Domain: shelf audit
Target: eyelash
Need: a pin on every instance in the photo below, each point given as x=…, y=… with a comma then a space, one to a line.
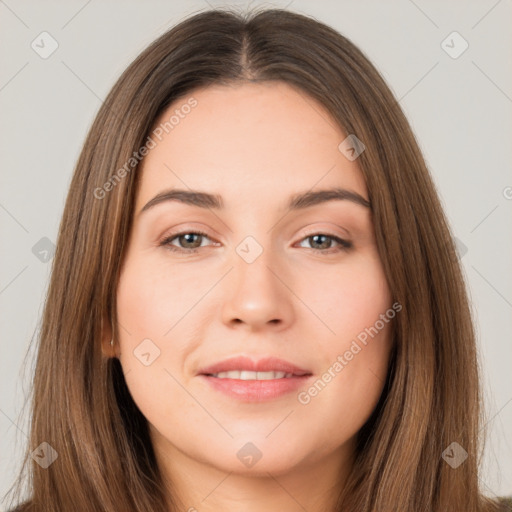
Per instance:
x=344, y=244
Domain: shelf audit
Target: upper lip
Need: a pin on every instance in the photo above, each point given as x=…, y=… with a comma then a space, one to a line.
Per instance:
x=267, y=364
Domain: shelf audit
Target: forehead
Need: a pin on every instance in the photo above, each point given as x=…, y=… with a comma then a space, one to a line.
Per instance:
x=247, y=141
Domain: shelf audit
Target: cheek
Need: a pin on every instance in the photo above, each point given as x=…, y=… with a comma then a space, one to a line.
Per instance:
x=357, y=308
x=350, y=299
x=135, y=298
x=147, y=298
x=157, y=303
x=147, y=308
x=143, y=316
x=346, y=396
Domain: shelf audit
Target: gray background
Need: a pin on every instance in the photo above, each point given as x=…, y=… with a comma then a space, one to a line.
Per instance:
x=460, y=109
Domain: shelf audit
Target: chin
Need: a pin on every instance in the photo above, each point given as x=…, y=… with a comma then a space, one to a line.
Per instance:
x=257, y=457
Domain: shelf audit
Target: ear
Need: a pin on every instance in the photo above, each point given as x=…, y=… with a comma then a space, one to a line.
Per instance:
x=106, y=335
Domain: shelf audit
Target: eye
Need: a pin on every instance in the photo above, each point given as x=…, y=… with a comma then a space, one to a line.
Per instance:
x=191, y=241
x=188, y=238
x=324, y=241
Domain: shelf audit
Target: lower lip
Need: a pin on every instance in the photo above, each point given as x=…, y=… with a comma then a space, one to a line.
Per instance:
x=257, y=390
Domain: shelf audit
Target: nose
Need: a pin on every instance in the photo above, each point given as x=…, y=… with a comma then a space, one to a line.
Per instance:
x=258, y=295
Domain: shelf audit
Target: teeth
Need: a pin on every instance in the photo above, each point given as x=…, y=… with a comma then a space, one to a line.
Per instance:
x=246, y=375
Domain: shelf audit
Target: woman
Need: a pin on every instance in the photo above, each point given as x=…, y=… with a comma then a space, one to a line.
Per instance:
x=312, y=349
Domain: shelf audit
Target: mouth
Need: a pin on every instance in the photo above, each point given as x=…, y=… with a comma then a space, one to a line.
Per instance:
x=248, y=375
x=255, y=380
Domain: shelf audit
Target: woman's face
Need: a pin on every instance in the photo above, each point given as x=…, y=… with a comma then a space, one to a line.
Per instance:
x=302, y=284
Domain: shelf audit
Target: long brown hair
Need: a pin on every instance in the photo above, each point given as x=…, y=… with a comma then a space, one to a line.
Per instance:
x=81, y=405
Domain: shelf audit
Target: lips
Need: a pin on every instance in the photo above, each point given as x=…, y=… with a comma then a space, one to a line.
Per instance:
x=261, y=366
x=249, y=380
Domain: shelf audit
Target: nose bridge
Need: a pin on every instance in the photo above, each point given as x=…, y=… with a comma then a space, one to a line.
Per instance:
x=255, y=292
x=255, y=265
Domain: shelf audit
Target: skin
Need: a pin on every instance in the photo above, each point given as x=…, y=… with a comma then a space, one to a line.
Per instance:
x=255, y=145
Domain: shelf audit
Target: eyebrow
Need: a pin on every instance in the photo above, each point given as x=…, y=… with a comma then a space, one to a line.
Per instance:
x=296, y=202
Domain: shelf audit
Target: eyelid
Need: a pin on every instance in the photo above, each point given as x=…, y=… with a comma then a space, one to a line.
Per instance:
x=203, y=232
x=343, y=243
x=189, y=228
x=326, y=231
